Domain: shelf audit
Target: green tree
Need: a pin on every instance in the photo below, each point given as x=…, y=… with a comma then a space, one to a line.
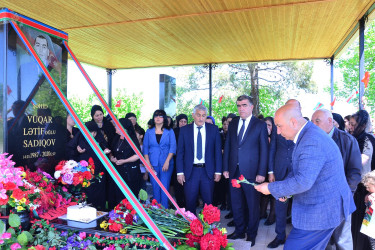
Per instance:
x=349, y=66
x=129, y=103
x=267, y=83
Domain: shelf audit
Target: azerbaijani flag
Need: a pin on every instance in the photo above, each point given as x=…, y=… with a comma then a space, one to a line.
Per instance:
x=318, y=106
x=352, y=96
x=333, y=102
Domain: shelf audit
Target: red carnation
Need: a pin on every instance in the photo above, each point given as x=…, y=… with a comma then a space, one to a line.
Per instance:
x=211, y=214
x=10, y=186
x=241, y=178
x=192, y=239
x=76, y=180
x=196, y=227
x=129, y=206
x=115, y=227
x=91, y=163
x=223, y=237
x=4, y=201
x=87, y=175
x=43, y=184
x=133, y=212
x=18, y=194
x=154, y=202
x=129, y=219
x=37, y=178
x=40, y=247
x=210, y=242
x=235, y=183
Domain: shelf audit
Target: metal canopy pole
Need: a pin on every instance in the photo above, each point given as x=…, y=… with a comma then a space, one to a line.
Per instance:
x=110, y=72
x=361, y=59
x=5, y=84
x=210, y=87
x=332, y=80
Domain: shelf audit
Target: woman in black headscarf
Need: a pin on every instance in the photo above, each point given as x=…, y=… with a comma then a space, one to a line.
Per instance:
x=181, y=120
x=338, y=121
x=96, y=193
x=105, y=126
x=126, y=162
x=366, y=142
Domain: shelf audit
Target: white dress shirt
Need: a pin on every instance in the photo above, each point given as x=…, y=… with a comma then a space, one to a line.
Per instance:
x=203, y=133
x=297, y=135
x=247, y=121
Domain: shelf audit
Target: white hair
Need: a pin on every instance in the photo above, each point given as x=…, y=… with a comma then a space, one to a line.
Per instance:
x=199, y=107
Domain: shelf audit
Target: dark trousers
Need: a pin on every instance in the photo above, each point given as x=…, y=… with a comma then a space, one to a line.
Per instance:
x=198, y=182
x=308, y=239
x=221, y=192
x=132, y=177
x=281, y=210
x=245, y=195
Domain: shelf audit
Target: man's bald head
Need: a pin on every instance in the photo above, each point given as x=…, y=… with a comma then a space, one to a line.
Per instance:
x=323, y=119
x=293, y=102
x=289, y=120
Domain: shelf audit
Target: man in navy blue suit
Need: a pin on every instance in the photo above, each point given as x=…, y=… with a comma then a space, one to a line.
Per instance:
x=246, y=153
x=321, y=196
x=199, y=159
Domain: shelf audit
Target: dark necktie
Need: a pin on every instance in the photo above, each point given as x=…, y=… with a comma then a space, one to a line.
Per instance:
x=199, y=144
x=242, y=130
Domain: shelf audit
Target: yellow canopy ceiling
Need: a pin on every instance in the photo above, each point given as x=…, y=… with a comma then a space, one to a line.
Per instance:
x=146, y=33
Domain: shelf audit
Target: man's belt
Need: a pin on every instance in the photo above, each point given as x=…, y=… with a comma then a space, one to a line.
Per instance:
x=199, y=165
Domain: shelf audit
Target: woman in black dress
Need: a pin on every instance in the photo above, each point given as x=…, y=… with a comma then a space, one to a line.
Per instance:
x=96, y=193
x=358, y=123
x=126, y=162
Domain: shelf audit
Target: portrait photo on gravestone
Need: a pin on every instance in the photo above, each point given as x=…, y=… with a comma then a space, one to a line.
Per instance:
x=36, y=118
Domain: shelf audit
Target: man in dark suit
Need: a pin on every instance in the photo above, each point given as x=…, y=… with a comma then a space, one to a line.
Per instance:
x=279, y=165
x=321, y=195
x=199, y=159
x=246, y=153
x=351, y=155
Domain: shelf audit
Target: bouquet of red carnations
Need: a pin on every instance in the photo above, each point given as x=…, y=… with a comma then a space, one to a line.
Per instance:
x=205, y=234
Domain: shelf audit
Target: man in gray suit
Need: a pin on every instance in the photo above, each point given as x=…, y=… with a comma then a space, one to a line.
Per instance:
x=321, y=195
x=351, y=155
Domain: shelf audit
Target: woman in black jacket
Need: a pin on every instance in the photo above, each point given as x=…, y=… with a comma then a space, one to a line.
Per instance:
x=104, y=126
x=126, y=162
x=366, y=142
x=96, y=193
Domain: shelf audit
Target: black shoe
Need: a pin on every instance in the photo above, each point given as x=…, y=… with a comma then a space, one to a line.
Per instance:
x=231, y=224
x=235, y=236
x=223, y=207
x=251, y=239
x=229, y=216
x=269, y=222
x=275, y=243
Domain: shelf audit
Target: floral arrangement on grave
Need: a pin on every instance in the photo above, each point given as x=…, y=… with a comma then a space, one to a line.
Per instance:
x=10, y=183
x=204, y=233
x=76, y=175
x=124, y=219
x=42, y=192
